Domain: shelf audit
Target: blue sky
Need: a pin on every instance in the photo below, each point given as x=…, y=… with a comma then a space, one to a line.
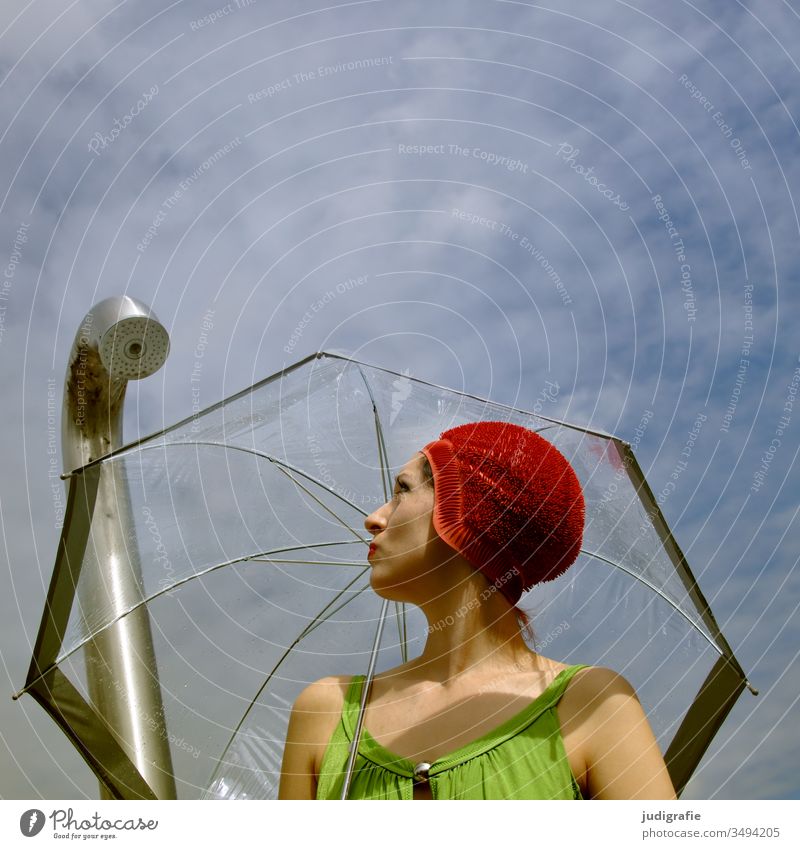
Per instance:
x=488, y=171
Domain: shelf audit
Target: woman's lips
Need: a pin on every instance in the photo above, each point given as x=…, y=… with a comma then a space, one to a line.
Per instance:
x=371, y=549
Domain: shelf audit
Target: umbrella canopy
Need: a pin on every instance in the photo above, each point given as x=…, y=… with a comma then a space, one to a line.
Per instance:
x=245, y=533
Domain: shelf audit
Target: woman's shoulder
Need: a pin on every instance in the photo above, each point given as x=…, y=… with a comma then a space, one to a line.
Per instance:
x=313, y=719
x=324, y=695
x=599, y=683
x=315, y=715
x=598, y=698
x=607, y=730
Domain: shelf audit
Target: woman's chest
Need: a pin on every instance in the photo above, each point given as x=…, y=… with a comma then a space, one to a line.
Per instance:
x=424, y=732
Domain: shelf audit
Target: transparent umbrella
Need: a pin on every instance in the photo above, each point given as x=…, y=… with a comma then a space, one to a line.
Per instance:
x=248, y=543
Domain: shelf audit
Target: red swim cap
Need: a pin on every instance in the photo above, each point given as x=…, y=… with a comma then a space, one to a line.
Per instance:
x=508, y=501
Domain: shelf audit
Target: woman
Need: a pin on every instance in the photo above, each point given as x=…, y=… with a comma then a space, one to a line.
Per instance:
x=476, y=518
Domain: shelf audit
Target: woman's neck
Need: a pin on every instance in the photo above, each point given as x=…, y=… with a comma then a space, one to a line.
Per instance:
x=469, y=631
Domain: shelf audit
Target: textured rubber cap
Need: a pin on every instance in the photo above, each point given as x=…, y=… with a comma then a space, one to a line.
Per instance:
x=509, y=501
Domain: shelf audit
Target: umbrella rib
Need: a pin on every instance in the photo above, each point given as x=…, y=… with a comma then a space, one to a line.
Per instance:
x=305, y=562
x=124, y=449
x=658, y=592
x=383, y=456
x=404, y=635
x=323, y=505
x=229, y=446
x=318, y=620
x=282, y=466
x=365, y=692
x=180, y=583
x=483, y=400
x=367, y=687
x=399, y=630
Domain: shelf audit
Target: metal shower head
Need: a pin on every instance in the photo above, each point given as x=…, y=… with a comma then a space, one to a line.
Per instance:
x=131, y=341
x=134, y=348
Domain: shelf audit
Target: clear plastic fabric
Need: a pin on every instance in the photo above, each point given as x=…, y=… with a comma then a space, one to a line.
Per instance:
x=244, y=530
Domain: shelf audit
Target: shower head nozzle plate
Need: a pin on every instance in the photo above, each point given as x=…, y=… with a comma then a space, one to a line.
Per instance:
x=134, y=348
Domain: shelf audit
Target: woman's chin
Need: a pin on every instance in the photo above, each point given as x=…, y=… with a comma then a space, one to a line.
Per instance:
x=387, y=589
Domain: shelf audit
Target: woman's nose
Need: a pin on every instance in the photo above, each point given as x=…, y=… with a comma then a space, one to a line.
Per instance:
x=376, y=521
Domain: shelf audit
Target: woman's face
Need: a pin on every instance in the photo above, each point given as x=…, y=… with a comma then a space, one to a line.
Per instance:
x=406, y=548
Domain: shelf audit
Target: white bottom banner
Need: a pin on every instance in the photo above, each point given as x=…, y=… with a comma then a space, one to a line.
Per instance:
x=393, y=824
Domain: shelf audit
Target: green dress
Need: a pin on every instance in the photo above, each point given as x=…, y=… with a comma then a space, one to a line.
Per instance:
x=523, y=758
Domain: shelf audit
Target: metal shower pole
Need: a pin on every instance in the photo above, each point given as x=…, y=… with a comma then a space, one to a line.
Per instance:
x=119, y=340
